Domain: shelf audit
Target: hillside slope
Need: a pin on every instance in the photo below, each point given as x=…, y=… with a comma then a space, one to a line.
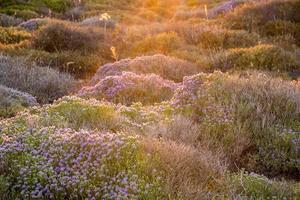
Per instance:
x=149, y=99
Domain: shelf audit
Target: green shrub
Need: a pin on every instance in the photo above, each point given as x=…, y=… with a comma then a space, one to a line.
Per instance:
x=281, y=28
x=160, y=43
x=263, y=57
x=239, y=39
x=30, y=9
x=13, y=35
x=26, y=14
x=256, y=186
x=60, y=36
x=78, y=114
x=57, y=5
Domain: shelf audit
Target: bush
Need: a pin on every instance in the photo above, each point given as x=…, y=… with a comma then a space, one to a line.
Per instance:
x=201, y=171
x=252, y=16
x=263, y=57
x=167, y=67
x=13, y=35
x=78, y=114
x=44, y=83
x=281, y=28
x=7, y=21
x=59, y=36
x=57, y=5
x=256, y=186
x=160, y=43
x=209, y=36
x=34, y=24
x=128, y=88
x=13, y=101
x=266, y=111
x=73, y=62
x=63, y=163
x=26, y=14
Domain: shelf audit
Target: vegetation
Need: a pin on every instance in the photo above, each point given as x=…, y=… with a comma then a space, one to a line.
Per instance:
x=44, y=83
x=149, y=99
x=263, y=57
x=13, y=101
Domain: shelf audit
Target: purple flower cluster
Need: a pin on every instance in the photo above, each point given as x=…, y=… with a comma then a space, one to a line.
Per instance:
x=188, y=90
x=64, y=164
x=130, y=87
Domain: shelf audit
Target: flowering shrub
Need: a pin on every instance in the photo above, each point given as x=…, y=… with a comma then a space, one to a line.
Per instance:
x=266, y=109
x=129, y=87
x=167, y=67
x=62, y=163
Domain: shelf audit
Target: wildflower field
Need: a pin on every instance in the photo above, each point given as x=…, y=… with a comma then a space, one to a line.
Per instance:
x=149, y=99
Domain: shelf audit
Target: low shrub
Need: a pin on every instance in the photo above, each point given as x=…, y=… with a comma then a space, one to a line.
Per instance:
x=281, y=28
x=57, y=5
x=34, y=24
x=72, y=62
x=256, y=186
x=262, y=57
x=83, y=114
x=160, y=43
x=167, y=67
x=42, y=82
x=128, y=88
x=63, y=163
x=61, y=36
x=239, y=38
x=13, y=101
x=201, y=171
x=26, y=14
x=7, y=21
x=266, y=111
x=209, y=36
x=253, y=15
x=13, y=35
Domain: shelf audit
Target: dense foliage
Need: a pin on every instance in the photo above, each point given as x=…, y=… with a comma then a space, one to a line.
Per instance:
x=123, y=99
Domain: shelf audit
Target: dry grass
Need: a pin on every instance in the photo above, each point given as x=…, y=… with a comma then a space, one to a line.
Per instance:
x=189, y=173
